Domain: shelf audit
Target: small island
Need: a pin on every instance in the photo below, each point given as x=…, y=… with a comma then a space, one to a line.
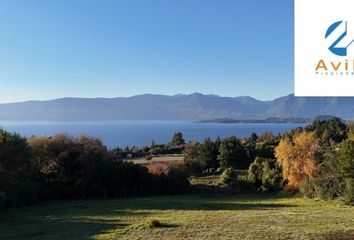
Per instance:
x=271, y=120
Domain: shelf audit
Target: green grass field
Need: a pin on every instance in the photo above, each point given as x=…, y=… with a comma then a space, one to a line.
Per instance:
x=182, y=217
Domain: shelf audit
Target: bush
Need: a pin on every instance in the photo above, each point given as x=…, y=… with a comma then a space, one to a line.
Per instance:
x=229, y=177
x=319, y=188
x=349, y=191
x=236, y=180
x=154, y=223
x=307, y=189
x=177, y=179
x=243, y=185
x=266, y=175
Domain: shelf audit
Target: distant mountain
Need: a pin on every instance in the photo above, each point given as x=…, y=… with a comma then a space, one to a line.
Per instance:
x=178, y=107
x=290, y=106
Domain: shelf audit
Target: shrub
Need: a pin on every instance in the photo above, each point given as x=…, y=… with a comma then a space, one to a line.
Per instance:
x=154, y=223
x=229, y=177
x=349, y=191
x=320, y=188
x=243, y=184
x=266, y=175
x=177, y=179
x=236, y=180
x=307, y=189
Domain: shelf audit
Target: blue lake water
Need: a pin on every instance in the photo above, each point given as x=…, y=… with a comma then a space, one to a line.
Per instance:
x=141, y=133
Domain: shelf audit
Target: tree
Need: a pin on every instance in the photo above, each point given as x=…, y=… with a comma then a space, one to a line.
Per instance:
x=152, y=145
x=297, y=157
x=233, y=154
x=327, y=183
x=268, y=137
x=117, y=153
x=265, y=150
x=191, y=160
x=217, y=142
x=177, y=139
x=70, y=167
x=346, y=168
x=15, y=169
x=253, y=138
x=346, y=159
x=207, y=153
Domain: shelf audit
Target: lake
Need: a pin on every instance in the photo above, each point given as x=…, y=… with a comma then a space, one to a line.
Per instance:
x=141, y=133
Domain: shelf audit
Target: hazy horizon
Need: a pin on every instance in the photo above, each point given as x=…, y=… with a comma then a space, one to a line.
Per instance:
x=142, y=94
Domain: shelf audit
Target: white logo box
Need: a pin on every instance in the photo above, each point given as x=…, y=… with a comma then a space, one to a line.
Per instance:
x=335, y=77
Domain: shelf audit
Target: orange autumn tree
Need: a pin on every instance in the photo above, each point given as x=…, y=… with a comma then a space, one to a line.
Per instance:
x=297, y=157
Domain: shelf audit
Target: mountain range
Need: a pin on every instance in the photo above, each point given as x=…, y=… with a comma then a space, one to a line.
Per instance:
x=194, y=106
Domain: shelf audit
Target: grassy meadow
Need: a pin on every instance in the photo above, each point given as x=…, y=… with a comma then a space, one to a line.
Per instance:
x=160, y=163
x=174, y=158
x=182, y=217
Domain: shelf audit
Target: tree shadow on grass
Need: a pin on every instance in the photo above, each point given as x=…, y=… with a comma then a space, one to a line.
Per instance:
x=63, y=229
x=61, y=226
x=204, y=204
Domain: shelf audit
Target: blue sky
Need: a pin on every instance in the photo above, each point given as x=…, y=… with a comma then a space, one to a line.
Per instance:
x=103, y=48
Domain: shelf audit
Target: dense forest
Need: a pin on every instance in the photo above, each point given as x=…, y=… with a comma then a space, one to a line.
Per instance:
x=65, y=167
x=317, y=161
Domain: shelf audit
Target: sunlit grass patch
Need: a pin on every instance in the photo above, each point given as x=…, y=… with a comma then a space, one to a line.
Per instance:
x=181, y=217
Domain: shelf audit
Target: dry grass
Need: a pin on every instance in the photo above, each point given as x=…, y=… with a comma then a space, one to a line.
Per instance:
x=160, y=164
x=163, y=158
